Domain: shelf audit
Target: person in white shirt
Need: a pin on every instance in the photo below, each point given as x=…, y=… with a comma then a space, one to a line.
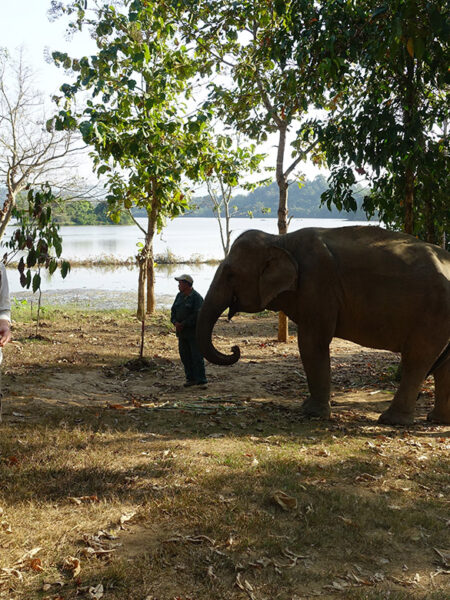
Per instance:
x=5, y=318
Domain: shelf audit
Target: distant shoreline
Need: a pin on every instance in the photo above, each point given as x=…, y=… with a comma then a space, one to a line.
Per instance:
x=111, y=261
x=90, y=299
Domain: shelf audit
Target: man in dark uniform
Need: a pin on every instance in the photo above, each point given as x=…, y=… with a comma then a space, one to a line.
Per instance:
x=184, y=316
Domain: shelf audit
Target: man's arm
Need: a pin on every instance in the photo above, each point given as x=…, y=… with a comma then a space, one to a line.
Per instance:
x=191, y=320
x=172, y=310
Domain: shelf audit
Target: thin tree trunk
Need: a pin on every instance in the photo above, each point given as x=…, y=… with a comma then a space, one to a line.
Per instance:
x=151, y=228
x=140, y=314
x=38, y=317
x=430, y=226
x=227, y=221
x=282, y=183
x=5, y=213
x=409, y=117
x=282, y=216
x=409, y=202
x=151, y=302
x=141, y=347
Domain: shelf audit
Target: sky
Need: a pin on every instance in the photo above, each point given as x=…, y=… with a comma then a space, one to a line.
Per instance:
x=25, y=23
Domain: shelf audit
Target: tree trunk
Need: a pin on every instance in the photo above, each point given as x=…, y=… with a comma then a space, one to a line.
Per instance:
x=151, y=303
x=5, y=213
x=430, y=226
x=140, y=314
x=282, y=216
x=152, y=215
x=409, y=202
x=409, y=121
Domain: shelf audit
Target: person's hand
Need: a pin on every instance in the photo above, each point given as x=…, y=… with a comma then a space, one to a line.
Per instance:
x=179, y=327
x=5, y=332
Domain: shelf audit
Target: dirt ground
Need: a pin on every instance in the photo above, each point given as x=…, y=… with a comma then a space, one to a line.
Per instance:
x=83, y=362
x=79, y=367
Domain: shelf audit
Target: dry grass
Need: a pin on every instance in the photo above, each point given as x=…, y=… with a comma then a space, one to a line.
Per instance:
x=167, y=496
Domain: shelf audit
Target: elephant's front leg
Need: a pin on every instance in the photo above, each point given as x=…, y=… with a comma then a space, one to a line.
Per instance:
x=315, y=354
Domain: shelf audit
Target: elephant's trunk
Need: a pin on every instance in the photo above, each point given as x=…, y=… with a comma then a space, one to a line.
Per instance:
x=207, y=318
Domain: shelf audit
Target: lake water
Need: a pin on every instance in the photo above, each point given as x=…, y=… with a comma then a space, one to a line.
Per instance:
x=185, y=237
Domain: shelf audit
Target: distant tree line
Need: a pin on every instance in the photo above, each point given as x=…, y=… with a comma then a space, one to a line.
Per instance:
x=304, y=203
x=76, y=212
x=85, y=212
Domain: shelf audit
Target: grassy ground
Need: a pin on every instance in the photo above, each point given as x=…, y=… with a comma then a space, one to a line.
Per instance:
x=120, y=484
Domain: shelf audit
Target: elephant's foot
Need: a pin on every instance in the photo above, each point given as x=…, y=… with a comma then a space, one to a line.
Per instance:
x=310, y=408
x=396, y=417
x=439, y=416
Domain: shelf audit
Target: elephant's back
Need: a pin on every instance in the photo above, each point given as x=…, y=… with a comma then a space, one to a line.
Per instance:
x=382, y=244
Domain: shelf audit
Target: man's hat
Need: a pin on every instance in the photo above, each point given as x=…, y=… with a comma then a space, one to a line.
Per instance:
x=187, y=278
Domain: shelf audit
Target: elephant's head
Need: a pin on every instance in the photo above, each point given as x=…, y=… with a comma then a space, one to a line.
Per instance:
x=255, y=272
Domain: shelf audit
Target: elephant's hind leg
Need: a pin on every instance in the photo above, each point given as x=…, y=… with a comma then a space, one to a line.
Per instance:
x=401, y=411
x=441, y=410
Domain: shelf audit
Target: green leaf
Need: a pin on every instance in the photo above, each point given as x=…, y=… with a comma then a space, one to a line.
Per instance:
x=31, y=258
x=53, y=265
x=36, y=282
x=65, y=268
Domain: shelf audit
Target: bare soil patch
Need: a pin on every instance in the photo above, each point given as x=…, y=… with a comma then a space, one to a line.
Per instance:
x=116, y=482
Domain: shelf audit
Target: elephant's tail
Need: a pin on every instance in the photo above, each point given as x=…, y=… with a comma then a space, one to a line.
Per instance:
x=442, y=358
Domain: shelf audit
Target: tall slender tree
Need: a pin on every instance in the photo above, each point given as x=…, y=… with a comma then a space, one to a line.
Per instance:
x=135, y=117
x=230, y=163
x=255, y=89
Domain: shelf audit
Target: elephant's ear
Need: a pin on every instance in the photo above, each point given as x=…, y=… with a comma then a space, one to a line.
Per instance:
x=279, y=274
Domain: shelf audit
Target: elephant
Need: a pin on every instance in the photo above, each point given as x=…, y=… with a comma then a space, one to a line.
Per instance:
x=377, y=288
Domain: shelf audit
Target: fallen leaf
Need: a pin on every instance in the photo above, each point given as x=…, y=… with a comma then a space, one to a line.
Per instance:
x=365, y=477
x=95, y=593
x=346, y=520
x=210, y=572
x=286, y=502
x=245, y=586
x=323, y=452
x=337, y=586
x=73, y=564
x=74, y=500
x=444, y=555
x=6, y=527
x=14, y=572
x=36, y=565
x=126, y=518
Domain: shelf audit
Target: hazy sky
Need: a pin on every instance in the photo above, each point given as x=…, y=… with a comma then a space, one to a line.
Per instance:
x=25, y=23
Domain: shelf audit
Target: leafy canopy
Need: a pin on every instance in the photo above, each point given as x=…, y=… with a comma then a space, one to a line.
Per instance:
x=135, y=116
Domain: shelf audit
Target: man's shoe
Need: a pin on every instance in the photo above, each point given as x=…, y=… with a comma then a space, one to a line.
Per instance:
x=203, y=385
x=189, y=384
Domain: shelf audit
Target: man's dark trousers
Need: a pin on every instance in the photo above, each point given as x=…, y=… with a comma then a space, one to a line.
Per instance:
x=194, y=365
